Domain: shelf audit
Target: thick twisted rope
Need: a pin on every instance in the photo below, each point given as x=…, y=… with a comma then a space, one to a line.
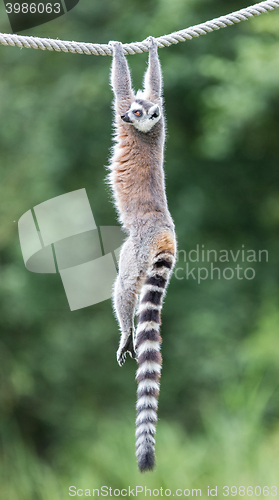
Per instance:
x=138, y=47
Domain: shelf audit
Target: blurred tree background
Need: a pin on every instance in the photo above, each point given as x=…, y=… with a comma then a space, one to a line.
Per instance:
x=67, y=409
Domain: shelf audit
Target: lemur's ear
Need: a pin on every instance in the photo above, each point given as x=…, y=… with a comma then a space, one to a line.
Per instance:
x=154, y=112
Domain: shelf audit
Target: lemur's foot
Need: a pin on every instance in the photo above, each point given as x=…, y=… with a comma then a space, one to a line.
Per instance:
x=127, y=348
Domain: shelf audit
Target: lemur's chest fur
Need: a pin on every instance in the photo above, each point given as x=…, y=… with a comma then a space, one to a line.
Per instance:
x=137, y=175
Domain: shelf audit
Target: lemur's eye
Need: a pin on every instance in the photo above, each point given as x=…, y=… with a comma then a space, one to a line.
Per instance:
x=137, y=112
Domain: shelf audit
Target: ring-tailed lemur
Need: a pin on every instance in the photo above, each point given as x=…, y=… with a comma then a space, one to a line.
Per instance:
x=148, y=255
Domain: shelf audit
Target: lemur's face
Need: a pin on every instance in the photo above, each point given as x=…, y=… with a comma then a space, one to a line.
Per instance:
x=143, y=115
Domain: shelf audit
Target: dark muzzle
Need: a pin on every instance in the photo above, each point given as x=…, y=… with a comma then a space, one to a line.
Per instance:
x=125, y=118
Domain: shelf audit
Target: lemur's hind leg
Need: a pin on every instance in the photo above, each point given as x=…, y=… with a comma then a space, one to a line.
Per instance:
x=125, y=299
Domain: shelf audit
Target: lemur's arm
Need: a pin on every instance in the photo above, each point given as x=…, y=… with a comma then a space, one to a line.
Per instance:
x=153, y=77
x=120, y=78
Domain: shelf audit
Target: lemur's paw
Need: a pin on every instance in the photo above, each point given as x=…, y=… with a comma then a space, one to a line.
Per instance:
x=121, y=356
x=115, y=45
x=128, y=347
x=114, y=42
x=152, y=43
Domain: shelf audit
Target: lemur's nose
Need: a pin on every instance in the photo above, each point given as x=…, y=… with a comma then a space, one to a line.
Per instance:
x=125, y=118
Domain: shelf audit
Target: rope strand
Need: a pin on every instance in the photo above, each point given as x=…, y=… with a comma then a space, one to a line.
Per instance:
x=99, y=49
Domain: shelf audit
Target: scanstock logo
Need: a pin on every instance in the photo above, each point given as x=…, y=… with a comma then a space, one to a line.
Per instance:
x=60, y=236
x=28, y=14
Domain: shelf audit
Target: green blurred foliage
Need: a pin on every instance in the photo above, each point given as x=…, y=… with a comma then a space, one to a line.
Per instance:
x=67, y=409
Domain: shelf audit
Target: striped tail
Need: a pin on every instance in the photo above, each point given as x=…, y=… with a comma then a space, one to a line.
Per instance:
x=147, y=344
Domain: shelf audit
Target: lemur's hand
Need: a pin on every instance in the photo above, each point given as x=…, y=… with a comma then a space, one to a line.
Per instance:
x=115, y=46
x=113, y=43
x=152, y=43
